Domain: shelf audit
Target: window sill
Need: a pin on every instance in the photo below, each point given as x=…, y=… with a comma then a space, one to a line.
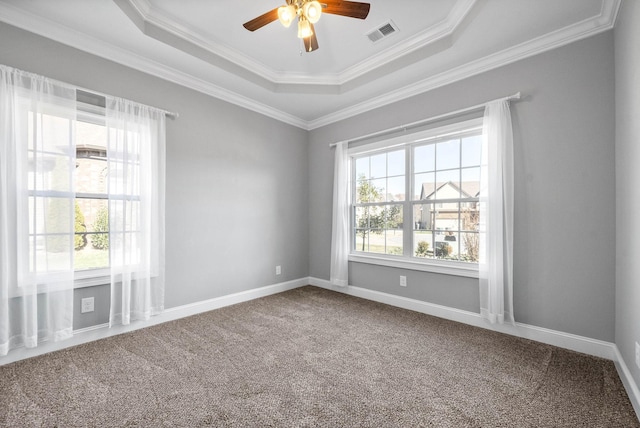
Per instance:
x=443, y=267
x=91, y=278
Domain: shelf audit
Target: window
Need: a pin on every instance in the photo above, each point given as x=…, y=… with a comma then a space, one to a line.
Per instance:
x=64, y=159
x=415, y=200
x=72, y=142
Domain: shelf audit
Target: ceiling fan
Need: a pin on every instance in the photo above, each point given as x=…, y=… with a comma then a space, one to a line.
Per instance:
x=308, y=13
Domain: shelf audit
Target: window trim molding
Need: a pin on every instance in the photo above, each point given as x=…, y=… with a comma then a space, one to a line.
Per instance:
x=439, y=266
x=91, y=277
x=446, y=267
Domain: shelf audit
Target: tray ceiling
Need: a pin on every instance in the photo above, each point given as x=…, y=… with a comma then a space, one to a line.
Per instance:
x=202, y=45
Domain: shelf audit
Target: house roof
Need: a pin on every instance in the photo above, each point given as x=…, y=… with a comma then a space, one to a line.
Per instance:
x=468, y=189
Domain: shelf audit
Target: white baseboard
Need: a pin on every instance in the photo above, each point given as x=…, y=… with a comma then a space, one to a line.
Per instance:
x=629, y=383
x=569, y=341
x=102, y=331
x=582, y=344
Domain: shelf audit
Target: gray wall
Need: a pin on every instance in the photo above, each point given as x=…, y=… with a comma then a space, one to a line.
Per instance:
x=237, y=181
x=565, y=189
x=627, y=57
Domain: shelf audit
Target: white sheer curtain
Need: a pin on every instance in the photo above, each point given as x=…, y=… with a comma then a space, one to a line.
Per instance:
x=340, y=227
x=136, y=163
x=37, y=159
x=496, y=215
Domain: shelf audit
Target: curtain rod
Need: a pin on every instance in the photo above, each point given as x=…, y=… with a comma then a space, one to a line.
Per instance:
x=170, y=114
x=515, y=96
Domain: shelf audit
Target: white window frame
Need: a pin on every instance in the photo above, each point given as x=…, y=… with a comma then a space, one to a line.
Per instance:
x=448, y=267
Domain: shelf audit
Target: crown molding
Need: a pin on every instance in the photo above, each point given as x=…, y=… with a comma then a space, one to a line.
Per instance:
x=65, y=35
x=165, y=29
x=602, y=22
x=442, y=29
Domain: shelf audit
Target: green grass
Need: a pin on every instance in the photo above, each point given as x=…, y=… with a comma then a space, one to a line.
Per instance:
x=90, y=258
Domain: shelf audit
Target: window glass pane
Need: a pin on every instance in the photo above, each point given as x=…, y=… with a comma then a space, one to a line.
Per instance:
x=424, y=186
x=50, y=172
x=423, y=244
x=55, y=215
x=361, y=240
x=448, y=184
x=395, y=163
x=395, y=189
x=91, y=155
x=369, y=223
x=446, y=217
x=92, y=258
x=423, y=216
x=373, y=239
x=91, y=136
x=394, y=242
x=365, y=192
x=91, y=175
x=362, y=217
x=54, y=133
x=452, y=241
x=446, y=250
x=124, y=215
x=91, y=240
x=378, y=190
x=471, y=150
x=469, y=247
x=50, y=253
x=424, y=158
x=362, y=168
x=392, y=216
x=470, y=185
x=379, y=165
x=469, y=216
x=448, y=154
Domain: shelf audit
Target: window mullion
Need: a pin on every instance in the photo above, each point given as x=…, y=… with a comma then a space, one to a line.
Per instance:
x=407, y=224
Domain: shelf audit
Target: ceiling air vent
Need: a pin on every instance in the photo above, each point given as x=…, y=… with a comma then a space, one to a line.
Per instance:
x=384, y=30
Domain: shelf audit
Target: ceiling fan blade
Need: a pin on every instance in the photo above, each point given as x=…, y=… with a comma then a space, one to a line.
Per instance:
x=311, y=43
x=262, y=20
x=346, y=8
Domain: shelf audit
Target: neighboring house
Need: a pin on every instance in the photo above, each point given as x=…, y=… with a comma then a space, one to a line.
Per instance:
x=452, y=223
x=444, y=215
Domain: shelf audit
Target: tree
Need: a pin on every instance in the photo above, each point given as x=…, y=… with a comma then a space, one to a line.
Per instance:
x=100, y=241
x=373, y=219
x=80, y=237
x=471, y=241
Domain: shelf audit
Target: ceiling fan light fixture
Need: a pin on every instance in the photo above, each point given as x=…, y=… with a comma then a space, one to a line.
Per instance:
x=312, y=11
x=304, y=29
x=286, y=15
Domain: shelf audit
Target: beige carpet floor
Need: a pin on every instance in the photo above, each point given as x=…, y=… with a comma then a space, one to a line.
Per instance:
x=311, y=357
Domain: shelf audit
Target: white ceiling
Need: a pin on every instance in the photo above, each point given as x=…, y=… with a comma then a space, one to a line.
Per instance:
x=202, y=44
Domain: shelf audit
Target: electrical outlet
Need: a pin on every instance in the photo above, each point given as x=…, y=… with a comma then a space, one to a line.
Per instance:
x=403, y=281
x=638, y=354
x=278, y=270
x=86, y=305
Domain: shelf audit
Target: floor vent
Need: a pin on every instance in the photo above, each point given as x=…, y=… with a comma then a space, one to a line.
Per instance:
x=384, y=30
